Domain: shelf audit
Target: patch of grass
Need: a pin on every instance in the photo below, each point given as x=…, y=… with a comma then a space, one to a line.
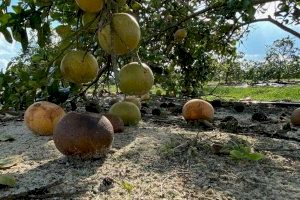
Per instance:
x=266, y=93
x=258, y=93
x=245, y=153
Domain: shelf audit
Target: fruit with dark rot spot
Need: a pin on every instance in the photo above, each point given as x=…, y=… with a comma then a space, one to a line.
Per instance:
x=83, y=135
x=116, y=122
x=295, y=117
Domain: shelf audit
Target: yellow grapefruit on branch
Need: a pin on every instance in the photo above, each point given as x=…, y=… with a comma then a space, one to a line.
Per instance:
x=121, y=35
x=91, y=20
x=79, y=67
x=91, y=6
x=135, y=79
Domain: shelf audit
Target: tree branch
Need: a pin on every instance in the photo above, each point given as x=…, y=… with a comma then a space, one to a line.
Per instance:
x=280, y=25
x=207, y=9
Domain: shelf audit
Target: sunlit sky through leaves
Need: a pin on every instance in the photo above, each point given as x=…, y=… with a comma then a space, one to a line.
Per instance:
x=253, y=45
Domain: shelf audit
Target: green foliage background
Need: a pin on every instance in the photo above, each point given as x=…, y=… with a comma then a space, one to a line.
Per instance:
x=182, y=67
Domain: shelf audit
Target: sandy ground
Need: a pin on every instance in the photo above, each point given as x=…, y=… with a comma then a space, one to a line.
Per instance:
x=156, y=164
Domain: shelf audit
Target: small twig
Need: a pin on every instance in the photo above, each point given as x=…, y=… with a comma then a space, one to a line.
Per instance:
x=56, y=195
x=81, y=93
x=213, y=90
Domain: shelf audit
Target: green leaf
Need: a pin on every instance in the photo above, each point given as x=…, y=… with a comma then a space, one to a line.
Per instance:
x=16, y=35
x=7, y=180
x=6, y=138
x=236, y=155
x=36, y=58
x=255, y=156
x=6, y=3
x=136, y=6
x=43, y=34
x=36, y=20
x=6, y=163
x=245, y=153
x=127, y=186
x=7, y=35
x=4, y=19
x=17, y=9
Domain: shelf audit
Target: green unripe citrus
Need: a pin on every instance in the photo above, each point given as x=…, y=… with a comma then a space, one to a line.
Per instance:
x=135, y=79
x=127, y=111
x=79, y=67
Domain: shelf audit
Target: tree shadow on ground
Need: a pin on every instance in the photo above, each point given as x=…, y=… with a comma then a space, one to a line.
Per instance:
x=59, y=178
x=45, y=173
x=200, y=168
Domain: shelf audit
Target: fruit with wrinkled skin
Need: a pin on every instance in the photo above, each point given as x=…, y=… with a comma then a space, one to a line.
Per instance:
x=116, y=122
x=79, y=67
x=180, y=34
x=41, y=117
x=83, y=135
x=295, y=117
x=92, y=6
x=198, y=109
x=134, y=100
x=135, y=79
x=127, y=111
x=91, y=20
x=121, y=36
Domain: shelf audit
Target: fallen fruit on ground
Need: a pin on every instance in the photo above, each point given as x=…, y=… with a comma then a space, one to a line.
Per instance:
x=145, y=97
x=91, y=20
x=135, y=79
x=116, y=122
x=134, y=100
x=198, y=109
x=121, y=35
x=127, y=111
x=83, y=135
x=42, y=117
x=180, y=34
x=92, y=6
x=295, y=117
x=79, y=67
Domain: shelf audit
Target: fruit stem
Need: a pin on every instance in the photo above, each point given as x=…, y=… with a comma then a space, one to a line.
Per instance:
x=137, y=57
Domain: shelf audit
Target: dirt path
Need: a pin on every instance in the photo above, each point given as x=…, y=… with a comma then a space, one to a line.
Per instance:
x=155, y=163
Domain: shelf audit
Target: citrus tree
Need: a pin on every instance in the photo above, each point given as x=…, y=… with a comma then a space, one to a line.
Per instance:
x=179, y=40
x=282, y=59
